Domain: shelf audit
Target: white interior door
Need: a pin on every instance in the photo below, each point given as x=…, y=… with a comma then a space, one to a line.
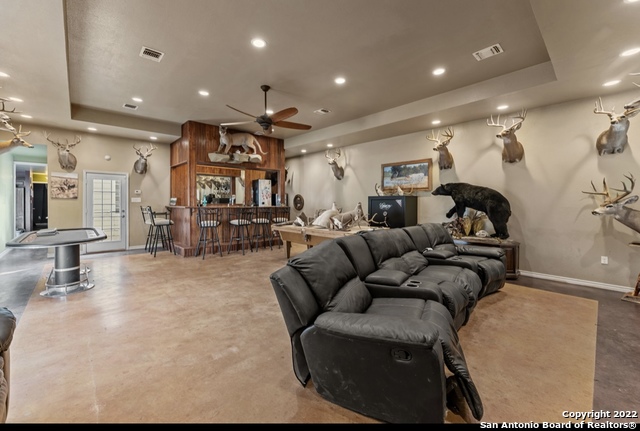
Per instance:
x=105, y=208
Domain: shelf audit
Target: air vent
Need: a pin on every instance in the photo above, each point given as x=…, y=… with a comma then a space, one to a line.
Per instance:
x=489, y=51
x=130, y=106
x=321, y=111
x=151, y=54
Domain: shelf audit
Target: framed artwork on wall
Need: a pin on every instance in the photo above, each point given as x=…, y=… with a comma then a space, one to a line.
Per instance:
x=412, y=175
x=63, y=185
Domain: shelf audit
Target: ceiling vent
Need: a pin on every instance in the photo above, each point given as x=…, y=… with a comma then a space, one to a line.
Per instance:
x=489, y=51
x=151, y=54
x=130, y=106
x=321, y=111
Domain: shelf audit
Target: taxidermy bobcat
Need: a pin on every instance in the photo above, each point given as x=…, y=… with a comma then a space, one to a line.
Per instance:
x=244, y=140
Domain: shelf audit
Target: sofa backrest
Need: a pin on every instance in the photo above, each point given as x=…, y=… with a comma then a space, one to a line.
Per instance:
x=357, y=250
x=394, y=249
x=439, y=236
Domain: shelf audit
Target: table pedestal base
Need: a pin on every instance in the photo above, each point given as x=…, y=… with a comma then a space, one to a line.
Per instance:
x=54, y=290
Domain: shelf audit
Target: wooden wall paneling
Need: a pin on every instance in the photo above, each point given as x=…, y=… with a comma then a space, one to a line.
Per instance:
x=180, y=184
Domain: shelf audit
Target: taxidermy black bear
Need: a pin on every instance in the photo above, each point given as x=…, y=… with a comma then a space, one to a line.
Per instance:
x=484, y=199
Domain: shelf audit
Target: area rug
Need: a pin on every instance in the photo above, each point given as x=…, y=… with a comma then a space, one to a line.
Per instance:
x=531, y=354
x=187, y=340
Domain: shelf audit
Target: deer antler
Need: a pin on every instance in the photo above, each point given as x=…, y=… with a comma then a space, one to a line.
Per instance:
x=3, y=109
x=449, y=135
x=497, y=123
x=337, y=153
x=599, y=109
x=76, y=141
x=607, y=194
x=434, y=137
x=57, y=144
x=516, y=124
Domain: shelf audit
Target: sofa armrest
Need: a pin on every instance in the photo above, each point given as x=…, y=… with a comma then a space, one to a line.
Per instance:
x=438, y=254
x=392, y=329
x=389, y=277
x=454, y=261
x=491, y=252
x=428, y=292
x=7, y=326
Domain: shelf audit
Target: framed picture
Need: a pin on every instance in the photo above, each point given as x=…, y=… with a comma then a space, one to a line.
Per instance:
x=413, y=175
x=63, y=185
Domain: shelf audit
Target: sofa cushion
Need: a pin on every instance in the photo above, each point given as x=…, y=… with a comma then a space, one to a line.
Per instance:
x=388, y=243
x=327, y=270
x=357, y=250
x=437, y=234
x=352, y=298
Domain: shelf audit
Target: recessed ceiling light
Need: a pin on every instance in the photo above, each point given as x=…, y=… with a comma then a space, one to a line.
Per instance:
x=26, y=116
x=258, y=43
x=629, y=52
x=93, y=129
x=303, y=151
x=4, y=75
x=435, y=122
x=610, y=83
x=329, y=145
x=203, y=92
x=15, y=99
x=502, y=107
x=153, y=138
x=438, y=71
x=136, y=99
x=630, y=1
x=340, y=80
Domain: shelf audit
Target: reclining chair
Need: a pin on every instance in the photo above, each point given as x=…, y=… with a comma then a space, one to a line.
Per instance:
x=437, y=245
x=381, y=356
x=7, y=327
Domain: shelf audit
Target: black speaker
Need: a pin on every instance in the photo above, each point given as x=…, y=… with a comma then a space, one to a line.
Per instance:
x=399, y=211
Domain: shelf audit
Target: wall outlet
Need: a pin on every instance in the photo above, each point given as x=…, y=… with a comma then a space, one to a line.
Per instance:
x=134, y=200
x=137, y=192
x=604, y=260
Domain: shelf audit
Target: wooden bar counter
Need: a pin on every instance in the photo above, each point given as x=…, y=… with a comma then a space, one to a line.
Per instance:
x=186, y=232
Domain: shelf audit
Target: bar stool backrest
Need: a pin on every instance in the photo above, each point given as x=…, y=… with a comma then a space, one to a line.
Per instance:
x=262, y=215
x=208, y=217
x=280, y=215
x=241, y=216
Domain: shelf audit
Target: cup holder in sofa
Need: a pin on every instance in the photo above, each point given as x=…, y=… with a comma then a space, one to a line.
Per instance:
x=412, y=283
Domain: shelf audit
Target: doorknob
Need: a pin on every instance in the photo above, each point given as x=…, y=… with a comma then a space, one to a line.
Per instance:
x=123, y=215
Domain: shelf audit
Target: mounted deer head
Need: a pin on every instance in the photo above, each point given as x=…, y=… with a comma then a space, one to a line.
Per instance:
x=5, y=125
x=616, y=205
x=513, y=151
x=67, y=160
x=445, y=159
x=333, y=156
x=16, y=141
x=140, y=166
x=615, y=139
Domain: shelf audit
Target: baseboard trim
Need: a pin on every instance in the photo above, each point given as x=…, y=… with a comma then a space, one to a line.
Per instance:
x=577, y=281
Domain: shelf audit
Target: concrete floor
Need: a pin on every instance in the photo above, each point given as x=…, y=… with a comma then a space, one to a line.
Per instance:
x=617, y=347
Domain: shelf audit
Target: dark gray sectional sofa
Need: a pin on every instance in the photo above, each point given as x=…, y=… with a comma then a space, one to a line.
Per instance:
x=373, y=320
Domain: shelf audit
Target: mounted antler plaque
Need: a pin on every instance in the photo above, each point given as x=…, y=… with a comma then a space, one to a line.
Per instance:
x=513, y=151
x=67, y=160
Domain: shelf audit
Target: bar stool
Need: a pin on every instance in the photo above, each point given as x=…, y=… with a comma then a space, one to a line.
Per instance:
x=162, y=231
x=208, y=221
x=240, y=220
x=146, y=218
x=280, y=215
x=261, y=223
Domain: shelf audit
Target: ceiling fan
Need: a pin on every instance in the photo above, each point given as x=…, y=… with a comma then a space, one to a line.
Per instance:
x=266, y=122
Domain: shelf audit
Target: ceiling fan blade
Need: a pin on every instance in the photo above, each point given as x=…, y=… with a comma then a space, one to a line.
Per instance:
x=242, y=112
x=237, y=123
x=284, y=114
x=292, y=125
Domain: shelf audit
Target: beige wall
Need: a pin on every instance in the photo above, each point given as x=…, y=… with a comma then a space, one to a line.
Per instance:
x=551, y=216
x=90, y=153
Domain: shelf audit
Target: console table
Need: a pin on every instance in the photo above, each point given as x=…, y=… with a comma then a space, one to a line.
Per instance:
x=511, y=248
x=66, y=276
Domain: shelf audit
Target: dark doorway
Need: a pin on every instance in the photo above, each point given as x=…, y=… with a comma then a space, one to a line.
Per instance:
x=40, y=208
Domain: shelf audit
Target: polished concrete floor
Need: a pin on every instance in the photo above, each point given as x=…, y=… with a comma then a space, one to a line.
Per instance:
x=617, y=345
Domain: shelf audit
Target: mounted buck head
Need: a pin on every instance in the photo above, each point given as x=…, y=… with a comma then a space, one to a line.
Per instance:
x=615, y=139
x=513, y=151
x=5, y=125
x=445, y=159
x=333, y=156
x=140, y=166
x=616, y=205
x=67, y=160
x=17, y=140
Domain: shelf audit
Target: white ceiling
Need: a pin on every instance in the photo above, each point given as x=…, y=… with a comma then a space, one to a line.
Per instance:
x=76, y=62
